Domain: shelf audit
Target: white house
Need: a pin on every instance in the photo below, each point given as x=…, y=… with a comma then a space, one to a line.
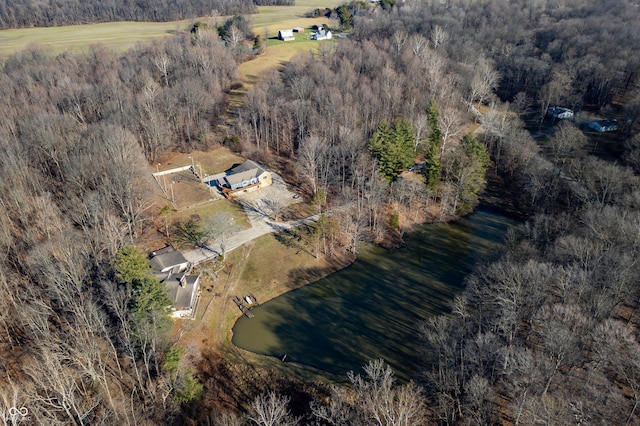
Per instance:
x=608, y=125
x=559, y=113
x=322, y=35
x=285, y=35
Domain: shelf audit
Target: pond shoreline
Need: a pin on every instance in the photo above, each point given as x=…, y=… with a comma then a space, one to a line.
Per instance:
x=372, y=308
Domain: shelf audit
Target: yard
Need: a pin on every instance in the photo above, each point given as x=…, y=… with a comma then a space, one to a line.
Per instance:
x=181, y=196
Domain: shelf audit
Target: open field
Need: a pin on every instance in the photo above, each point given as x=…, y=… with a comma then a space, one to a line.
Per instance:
x=124, y=35
x=78, y=38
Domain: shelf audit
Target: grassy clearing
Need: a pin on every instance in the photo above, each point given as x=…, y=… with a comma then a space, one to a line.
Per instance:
x=277, y=55
x=188, y=191
x=124, y=35
x=225, y=208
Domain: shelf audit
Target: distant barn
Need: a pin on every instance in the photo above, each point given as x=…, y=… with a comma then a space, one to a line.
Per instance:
x=285, y=35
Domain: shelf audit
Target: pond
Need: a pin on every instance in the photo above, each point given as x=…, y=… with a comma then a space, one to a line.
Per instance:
x=372, y=309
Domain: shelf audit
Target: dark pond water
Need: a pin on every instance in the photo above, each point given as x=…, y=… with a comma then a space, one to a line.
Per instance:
x=372, y=308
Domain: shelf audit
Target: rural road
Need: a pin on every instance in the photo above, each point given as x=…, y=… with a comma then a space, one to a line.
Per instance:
x=259, y=228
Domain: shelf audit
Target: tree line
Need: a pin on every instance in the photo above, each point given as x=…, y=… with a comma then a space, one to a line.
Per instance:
x=577, y=54
x=31, y=13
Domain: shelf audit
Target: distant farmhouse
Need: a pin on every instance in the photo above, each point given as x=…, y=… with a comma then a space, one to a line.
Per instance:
x=285, y=35
x=559, y=113
x=322, y=35
x=172, y=269
x=609, y=125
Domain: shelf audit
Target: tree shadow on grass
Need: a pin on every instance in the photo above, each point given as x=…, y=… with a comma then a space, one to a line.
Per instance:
x=291, y=238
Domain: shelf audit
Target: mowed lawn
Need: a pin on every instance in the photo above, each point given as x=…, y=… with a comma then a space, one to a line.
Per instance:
x=123, y=35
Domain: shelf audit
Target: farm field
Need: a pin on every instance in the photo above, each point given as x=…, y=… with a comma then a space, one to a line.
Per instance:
x=124, y=35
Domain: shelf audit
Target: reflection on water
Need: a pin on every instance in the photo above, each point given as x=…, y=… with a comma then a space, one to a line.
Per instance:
x=372, y=308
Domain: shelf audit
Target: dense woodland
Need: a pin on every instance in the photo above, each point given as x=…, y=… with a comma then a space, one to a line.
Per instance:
x=79, y=342
x=547, y=334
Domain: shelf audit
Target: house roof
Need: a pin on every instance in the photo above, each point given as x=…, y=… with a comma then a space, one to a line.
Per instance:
x=554, y=110
x=167, y=260
x=606, y=123
x=182, y=292
x=239, y=177
x=244, y=171
x=247, y=165
x=286, y=34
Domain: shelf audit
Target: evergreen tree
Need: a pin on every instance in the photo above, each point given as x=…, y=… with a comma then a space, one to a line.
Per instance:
x=478, y=158
x=392, y=146
x=130, y=265
x=345, y=17
x=149, y=295
x=433, y=164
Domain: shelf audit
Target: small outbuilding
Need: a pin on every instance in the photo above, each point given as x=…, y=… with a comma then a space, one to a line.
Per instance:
x=298, y=30
x=559, y=113
x=285, y=35
x=609, y=125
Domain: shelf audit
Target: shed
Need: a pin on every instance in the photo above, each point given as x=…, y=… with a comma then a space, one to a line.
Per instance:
x=608, y=125
x=285, y=35
x=298, y=30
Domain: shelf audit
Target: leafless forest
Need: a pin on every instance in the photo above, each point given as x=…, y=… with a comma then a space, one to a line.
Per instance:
x=547, y=334
x=28, y=13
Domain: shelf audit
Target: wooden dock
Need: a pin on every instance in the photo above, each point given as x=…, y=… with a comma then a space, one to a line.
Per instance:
x=246, y=311
x=251, y=299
